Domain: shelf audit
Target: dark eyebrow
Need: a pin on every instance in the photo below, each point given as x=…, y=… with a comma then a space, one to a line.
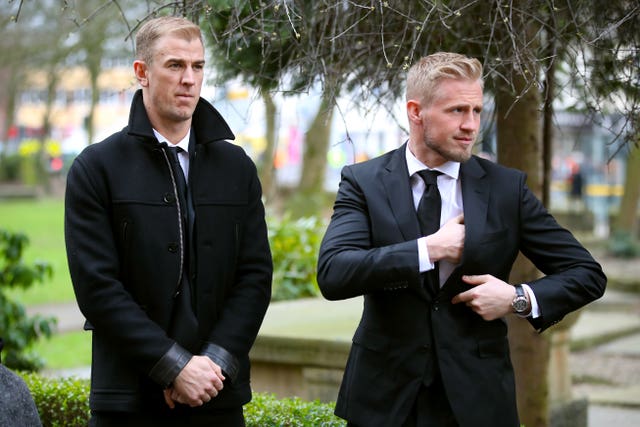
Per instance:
x=182, y=61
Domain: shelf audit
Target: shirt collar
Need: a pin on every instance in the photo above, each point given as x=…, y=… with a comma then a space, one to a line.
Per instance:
x=451, y=169
x=183, y=143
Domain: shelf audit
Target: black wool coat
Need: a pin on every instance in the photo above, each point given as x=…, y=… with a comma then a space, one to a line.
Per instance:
x=125, y=256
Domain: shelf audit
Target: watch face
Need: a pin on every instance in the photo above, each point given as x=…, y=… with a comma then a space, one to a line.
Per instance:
x=520, y=304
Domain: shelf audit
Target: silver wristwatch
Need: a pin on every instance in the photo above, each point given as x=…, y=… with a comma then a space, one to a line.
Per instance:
x=520, y=302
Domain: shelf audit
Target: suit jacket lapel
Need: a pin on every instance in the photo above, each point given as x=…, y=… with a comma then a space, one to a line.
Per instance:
x=475, y=196
x=395, y=178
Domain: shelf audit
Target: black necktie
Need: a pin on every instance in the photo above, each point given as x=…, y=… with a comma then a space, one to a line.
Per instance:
x=183, y=190
x=184, y=324
x=429, y=217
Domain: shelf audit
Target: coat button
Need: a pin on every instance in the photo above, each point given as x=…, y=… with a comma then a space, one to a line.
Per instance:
x=173, y=247
x=168, y=198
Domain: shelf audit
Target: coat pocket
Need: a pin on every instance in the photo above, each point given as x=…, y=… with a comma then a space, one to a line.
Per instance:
x=494, y=347
x=371, y=340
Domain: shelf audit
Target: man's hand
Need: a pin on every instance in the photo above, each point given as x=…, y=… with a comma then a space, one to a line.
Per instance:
x=198, y=382
x=448, y=242
x=490, y=297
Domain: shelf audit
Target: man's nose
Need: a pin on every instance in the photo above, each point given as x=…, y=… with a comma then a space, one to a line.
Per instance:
x=188, y=76
x=471, y=121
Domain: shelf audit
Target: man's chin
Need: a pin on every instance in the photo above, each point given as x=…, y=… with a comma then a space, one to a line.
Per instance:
x=459, y=157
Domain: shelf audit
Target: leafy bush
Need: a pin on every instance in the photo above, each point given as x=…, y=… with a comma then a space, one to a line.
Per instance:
x=623, y=245
x=17, y=329
x=65, y=402
x=266, y=410
x=61, y=402
x=294, y=246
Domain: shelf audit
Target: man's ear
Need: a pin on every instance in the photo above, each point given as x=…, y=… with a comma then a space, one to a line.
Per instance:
x=140, y=70
x=413, y=111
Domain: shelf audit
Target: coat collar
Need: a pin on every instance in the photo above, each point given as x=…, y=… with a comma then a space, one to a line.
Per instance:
x=207, y=125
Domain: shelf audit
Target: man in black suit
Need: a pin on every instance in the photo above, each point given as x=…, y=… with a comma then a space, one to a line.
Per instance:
x=431, y=348
x=168, y=250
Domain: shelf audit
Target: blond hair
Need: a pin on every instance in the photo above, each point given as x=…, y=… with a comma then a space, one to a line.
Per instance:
x=423, y=76
x=152, y=30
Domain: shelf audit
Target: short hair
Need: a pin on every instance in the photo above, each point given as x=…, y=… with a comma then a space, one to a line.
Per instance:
x=423, y=76
x=155, y=28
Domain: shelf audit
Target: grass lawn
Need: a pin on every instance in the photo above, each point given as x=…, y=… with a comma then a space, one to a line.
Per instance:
x=65, y=351
x=42, y=221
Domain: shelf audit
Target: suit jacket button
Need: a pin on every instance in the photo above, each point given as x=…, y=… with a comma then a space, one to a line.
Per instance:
x=173, y=247
x=168, y=198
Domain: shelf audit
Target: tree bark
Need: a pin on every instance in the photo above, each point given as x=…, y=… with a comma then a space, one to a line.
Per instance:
x=626, y=221
x=519, y=146
x=316, y=144
x=309, y=198
x=266, y=168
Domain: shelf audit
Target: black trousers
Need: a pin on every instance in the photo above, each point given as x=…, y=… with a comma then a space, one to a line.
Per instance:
x=233, y=417
x=431, y=408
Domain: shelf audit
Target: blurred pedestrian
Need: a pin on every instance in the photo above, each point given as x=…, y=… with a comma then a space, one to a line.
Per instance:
x=576, y=186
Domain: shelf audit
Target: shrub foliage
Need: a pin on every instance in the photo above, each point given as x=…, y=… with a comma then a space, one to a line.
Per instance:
x=64, y=402
x=294, y=247
x=18, y=330
x=61, y=402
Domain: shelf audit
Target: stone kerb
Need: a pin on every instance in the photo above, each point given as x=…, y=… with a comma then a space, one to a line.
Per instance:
x=303, y=347
x=307, y=368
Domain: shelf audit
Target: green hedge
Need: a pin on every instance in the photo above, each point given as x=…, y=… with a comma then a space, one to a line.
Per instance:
x=294, y=246
x=64, y=402
x=61, y=402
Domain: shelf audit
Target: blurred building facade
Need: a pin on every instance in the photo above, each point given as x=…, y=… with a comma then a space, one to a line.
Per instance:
x=579, y=144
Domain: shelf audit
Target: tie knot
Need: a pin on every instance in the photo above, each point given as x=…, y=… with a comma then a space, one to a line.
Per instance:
x=430, y=177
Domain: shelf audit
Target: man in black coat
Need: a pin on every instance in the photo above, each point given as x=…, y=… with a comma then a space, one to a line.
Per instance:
x=17, y=407
x=431, y=348
x=167, y=248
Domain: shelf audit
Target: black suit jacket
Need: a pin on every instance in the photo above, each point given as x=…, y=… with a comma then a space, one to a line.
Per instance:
x=370, y=249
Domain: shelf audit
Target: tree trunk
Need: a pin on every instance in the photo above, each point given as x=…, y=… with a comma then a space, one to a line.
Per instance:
x=266, y=168
x=316, y=144
x=8, y=99
x=309, y=198
x=547, y=124
x=519, y=139
x=95, y=98
x=625, y=226
x=43, y=158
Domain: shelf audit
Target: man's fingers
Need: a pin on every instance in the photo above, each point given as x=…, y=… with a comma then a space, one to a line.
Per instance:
x=217, y=382
x=476, y=279
x=167, y=398
x=462, y=297
x=459, y=219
